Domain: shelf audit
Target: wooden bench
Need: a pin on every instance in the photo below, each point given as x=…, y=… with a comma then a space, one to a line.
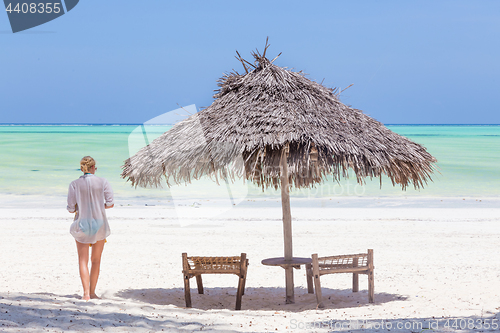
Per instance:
x=351, y=263
x=196, y=266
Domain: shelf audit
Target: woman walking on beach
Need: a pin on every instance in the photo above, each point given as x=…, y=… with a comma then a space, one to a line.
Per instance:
x=88, y=197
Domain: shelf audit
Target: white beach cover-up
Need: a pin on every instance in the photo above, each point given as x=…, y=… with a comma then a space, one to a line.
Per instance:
x=87, y=196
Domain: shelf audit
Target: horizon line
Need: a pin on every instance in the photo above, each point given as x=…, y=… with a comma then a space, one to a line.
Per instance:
x=139, y=124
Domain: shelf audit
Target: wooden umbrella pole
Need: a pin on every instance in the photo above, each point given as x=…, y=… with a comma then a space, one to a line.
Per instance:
x=287, y=227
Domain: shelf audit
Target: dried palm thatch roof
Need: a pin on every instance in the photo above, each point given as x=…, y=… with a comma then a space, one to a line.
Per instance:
x=269, y=108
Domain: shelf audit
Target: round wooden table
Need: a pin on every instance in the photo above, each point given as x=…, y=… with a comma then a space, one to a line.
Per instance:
x=280, y=261
x=295, y=263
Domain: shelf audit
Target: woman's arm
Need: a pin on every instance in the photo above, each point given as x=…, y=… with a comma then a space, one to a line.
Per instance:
x=72, y=207
x=108, y=195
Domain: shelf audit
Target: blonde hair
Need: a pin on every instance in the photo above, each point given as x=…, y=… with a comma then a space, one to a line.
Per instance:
x=86, y=163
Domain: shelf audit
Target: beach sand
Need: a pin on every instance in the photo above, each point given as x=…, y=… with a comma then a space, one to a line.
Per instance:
x=434, y=266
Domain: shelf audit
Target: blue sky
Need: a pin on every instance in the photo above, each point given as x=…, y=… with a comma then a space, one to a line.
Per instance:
x=411, y=62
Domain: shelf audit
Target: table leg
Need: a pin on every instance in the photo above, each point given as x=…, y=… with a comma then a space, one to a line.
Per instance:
x=290, y=297
x=310, y=288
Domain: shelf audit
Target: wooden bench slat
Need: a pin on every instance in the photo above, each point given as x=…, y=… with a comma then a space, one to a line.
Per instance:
x=325, y=266
x=359, y=270
x=214, y=271
x=344, y=256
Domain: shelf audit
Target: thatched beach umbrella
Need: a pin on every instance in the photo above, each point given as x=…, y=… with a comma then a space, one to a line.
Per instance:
x=277, y=128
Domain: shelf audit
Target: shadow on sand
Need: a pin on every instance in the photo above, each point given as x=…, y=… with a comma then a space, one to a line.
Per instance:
x=47, y=311
x=271, y=299
x=140, y=310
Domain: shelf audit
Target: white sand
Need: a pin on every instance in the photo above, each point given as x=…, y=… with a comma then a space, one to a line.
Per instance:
x=430, y=264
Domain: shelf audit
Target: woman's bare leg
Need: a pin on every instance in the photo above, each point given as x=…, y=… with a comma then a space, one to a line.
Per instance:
x=96, y=266
x=83, y=263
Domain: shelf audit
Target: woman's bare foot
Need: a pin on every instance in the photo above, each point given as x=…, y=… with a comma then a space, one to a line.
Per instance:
x=94, y=296
x=86, y=297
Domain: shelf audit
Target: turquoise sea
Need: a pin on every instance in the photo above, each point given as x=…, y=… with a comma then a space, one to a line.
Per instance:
x=44, y=159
